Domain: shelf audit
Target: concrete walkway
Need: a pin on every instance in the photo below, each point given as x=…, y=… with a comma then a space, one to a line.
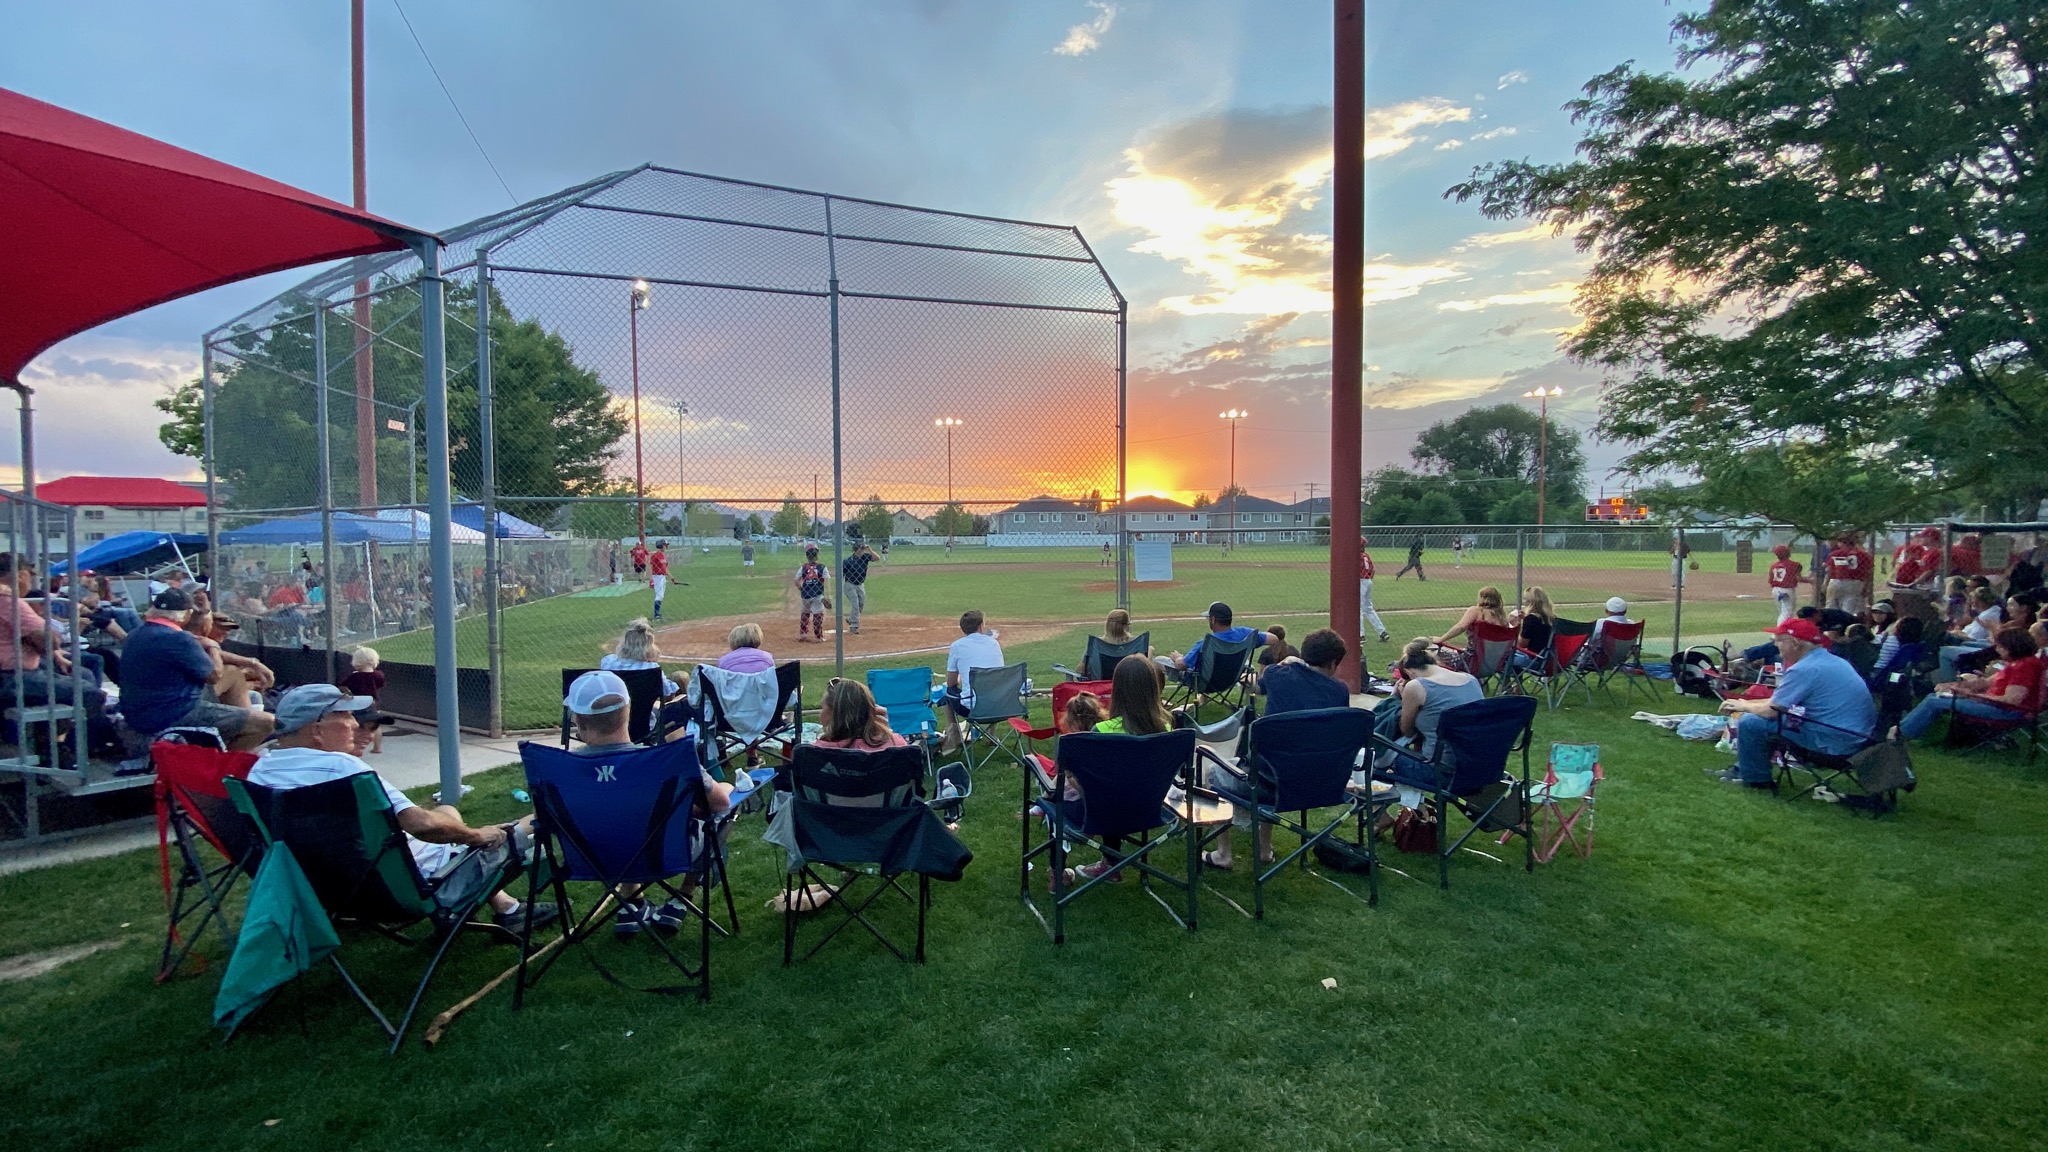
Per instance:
x=410, y=760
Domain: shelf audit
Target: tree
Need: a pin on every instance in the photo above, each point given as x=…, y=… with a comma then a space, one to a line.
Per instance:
x=1819, y=248
x=790, y=519
x=953, y=520
x=556, y=428
x=604, y=520
x=1504, y=442
x=754, y=525
x=1807, y=486
x=873, y=519
x=1201, y=501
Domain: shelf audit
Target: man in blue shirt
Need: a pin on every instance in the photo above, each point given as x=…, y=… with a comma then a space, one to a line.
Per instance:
x=1179, y=665
x=1297, y=685
x=165, y=675
x=1819, y=703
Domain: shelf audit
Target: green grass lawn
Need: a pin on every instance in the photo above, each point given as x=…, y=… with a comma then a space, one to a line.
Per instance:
x=1728, y=971
x=1266, y=584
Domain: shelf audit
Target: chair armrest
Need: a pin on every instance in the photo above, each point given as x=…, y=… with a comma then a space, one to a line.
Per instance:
x=1024, y=728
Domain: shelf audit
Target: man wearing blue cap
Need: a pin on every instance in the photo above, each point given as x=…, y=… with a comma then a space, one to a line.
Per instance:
x=602, y=710
x=316, y=731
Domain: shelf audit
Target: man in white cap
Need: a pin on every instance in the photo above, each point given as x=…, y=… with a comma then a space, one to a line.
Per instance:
x=601, y=707
x=316, y=730
x=1617, y=613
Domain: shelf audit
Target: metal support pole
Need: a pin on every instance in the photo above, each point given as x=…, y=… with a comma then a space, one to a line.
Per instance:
x=639, y=473
x=1347, y=331
x=1123, y=538
x=487, y=435
x=206, y=462
x=323, y=437
x=838, y=495
x=1521, y=546
x=440, y=546
x=1678, y=594
x=33, y=527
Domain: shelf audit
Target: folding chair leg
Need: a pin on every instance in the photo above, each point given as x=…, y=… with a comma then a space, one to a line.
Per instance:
x=420, y=993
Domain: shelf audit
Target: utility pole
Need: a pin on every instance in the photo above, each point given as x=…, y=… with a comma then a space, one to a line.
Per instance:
x=1347, y=326
x=683, y=508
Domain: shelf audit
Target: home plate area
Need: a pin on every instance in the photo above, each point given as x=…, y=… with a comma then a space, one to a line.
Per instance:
x=882, y=634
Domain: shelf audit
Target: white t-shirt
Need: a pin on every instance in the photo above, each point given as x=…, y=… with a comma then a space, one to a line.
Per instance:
x=976, y=650
x=1985, y=625
x=284, y=768
x=613, y=662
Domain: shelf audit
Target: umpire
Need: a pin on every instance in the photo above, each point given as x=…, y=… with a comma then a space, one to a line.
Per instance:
x=853, y=574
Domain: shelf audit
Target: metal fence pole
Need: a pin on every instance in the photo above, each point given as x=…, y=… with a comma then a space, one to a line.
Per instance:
x=440, y=546
x=1123, y=538
x=324, y=438
x=838, y=508
x=1679, y=567
x=207, y=463
x=1521, y=545
x=34, y=549
x=487, y=435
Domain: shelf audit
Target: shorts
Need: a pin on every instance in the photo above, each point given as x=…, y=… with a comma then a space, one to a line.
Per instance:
x=746, y=563
x=225, y=719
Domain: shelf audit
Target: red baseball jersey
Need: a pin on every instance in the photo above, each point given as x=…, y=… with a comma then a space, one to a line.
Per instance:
x=638, y=554
x=658, y=563
x=1785, y=574
x=1364, y=564
x=1849, y=564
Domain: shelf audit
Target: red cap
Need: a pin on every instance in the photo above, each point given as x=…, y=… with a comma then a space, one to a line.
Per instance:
x=1798, y=629
x=1782, y=552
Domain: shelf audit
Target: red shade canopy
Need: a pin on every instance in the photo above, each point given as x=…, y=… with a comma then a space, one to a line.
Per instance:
x=102, y=222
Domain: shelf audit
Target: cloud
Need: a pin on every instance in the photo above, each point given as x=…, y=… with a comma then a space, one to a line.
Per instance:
x=1221, y=195
x=1530, y=235
x=1495, y=133
x=1451, y=144
x=1412, y=390
x=1086, y=37
x=1560, y=292
x=1511, y=79
x=95, y=408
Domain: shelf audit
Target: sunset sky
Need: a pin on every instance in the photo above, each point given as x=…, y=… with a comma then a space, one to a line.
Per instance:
x=1189, y=141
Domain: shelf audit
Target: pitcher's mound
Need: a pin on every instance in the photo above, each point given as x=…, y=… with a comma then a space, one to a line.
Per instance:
x=881, y=634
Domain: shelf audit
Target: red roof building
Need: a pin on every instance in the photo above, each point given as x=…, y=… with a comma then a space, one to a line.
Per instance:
x=120, y=492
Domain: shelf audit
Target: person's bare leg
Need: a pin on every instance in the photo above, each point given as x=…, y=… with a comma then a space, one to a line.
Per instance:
x=1219, y=856
x=255, y=730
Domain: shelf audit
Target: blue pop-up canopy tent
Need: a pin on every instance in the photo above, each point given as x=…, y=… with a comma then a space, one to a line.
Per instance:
x=349, y=528
x=131, y=552
x=510, y=527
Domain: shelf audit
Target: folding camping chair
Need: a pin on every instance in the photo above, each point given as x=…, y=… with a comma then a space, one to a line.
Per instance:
x=1124, y=784
x=1101, y=657
x=719, y=740
x=1976, y=733
x=615, y=821
x=860, y=813
x=1218, y=674
x=1469, y=771
x=1616, y=651
x=998, y=699
x=1869, y=777
x=192, y=808
x=1301, y=762
x=1490, y=656
x=1563, y=801
x=907, y=695
x=1039, y=765
x=1560, y=657
x=643, y=696
x=347, y=841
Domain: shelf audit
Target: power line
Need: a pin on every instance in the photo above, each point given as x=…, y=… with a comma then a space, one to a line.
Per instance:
x=452, y=104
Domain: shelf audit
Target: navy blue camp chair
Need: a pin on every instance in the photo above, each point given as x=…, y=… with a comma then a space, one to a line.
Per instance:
x=1100, y=657
x=618, y=820
x=720, y=742
x=1469, y=771
x=1124, y=782
x=1299, y=763
x=862, y=815
x=1218, y=674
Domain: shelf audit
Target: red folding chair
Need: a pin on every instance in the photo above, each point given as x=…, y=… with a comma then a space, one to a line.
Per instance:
x=1554, y=670
x=1618, y=652
x=1061, y=694
x=192, y=807
x=1491, y=656
x=1971, y=733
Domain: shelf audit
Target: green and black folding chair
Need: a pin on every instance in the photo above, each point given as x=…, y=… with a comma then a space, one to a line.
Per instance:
x=1868, y=777
x=346, y=839
x=1100, y=657
x=1218, y=674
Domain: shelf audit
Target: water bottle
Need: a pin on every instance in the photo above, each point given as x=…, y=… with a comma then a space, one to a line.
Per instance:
x=1027, y=686
x=520, y=794
x=948, y=790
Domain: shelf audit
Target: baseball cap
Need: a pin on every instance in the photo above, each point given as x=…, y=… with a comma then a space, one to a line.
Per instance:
x=307, y=703
x=596, y=693
x=172, y=600
x=371, y=718
x=1885, y=606
x=810, y=549
x=1782, y=551
x=1798, y=629
x=1616, y=605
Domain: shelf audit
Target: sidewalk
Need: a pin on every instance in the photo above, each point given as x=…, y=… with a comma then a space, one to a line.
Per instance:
x=410, y=760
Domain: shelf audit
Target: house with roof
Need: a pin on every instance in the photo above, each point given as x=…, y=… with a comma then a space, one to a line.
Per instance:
x=1155, y=518
x=902, y=523
x=1042, y=515
x=110, y=505
x=1255, y=519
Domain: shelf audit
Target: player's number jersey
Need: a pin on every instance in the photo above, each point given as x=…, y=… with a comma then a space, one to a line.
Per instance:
x=1785, y=574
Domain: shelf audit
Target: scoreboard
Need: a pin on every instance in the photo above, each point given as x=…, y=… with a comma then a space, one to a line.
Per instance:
x=1617, y=508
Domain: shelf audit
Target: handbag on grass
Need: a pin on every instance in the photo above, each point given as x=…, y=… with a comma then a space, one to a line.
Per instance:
x=1415, y=830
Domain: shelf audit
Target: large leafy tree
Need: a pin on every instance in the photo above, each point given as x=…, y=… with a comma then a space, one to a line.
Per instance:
x=1505, y=442
x=557, y=428
x=874, y=519
x=1827, y=234
x=790, y=519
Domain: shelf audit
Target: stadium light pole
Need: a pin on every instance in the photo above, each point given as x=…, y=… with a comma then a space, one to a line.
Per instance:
x=1233, y=415
x=1542, y=398
x=948, y=423
x=642, y=297
x=682, y=408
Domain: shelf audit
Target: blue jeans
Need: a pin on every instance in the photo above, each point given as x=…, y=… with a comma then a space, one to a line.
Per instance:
x=45, y=686
x=1922, y=717
x=1753, y=735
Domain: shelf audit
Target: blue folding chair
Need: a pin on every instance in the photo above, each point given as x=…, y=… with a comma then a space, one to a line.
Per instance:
x=1123, y=782
x=1468, y=770
x=908, y=695
x=1298, y=763
x=618, y=820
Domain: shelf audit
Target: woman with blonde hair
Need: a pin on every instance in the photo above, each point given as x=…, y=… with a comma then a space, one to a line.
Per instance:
x=636, y=650
x=1535, y=620
x=1487, y=608
x=744, y=652
x=851, y=719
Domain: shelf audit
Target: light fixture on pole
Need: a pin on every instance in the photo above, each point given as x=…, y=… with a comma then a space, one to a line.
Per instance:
x=682, y=508
x=1542, y=397
x=1233, y=415
x=949, y=423
x=642, y=297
